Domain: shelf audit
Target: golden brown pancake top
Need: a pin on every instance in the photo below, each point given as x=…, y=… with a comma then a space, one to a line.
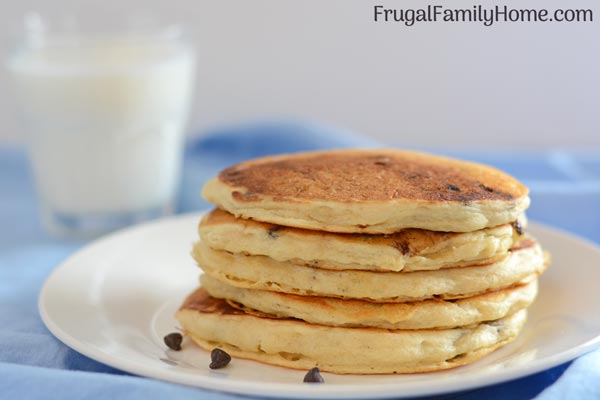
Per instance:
x=368, y=175
x=408, y=241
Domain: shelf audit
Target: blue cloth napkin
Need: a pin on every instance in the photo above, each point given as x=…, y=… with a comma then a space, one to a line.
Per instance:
x=33, y=364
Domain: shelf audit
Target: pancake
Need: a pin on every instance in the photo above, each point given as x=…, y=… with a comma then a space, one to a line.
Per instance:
x=355, y=313
x=292, y=343
x=264, y=273
x=369, y=191
x=406, y=250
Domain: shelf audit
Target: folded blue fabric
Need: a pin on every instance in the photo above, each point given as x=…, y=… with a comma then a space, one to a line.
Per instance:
x=33, y=364
x=582, y=380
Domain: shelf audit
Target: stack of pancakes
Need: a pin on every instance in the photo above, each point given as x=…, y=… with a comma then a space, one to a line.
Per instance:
x=362, y=261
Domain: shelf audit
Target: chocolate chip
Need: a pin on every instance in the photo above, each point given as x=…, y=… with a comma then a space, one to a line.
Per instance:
x=219, y=359
x=273, y=232
x=518, y=227
x=453, y=188
x=402, y=246
x=486, y=188
x=313, y=376
x=173, y=341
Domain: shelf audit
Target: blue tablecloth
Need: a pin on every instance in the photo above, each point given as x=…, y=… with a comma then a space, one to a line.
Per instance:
x=565, y=190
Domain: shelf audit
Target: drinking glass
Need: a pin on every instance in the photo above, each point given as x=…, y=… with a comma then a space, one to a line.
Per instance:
x=104, y=111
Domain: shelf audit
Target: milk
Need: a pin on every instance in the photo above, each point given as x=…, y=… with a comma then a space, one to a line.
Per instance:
x=105, y=118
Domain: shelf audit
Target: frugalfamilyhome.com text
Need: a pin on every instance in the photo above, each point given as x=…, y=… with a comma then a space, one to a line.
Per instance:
x=485, y=15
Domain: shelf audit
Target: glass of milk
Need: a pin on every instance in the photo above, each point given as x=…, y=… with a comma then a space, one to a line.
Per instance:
x=104, y=113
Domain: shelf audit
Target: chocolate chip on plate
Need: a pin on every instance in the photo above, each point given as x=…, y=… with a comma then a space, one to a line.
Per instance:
x=173, y=341
x=313, y=376
x=219, y=359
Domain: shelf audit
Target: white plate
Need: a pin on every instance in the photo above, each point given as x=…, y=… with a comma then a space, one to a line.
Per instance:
x=114, y=301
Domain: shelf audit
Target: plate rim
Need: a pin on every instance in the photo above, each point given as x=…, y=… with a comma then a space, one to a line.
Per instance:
x=282, y=390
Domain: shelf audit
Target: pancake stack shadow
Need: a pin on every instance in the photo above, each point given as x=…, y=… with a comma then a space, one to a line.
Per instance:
x=362, y=261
